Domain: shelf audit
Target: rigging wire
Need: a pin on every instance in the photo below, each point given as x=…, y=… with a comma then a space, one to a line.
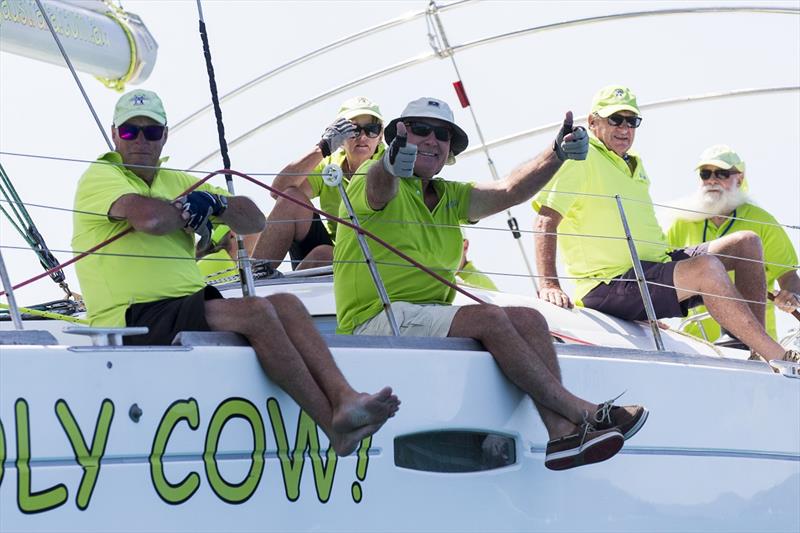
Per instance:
x=440, y=44
x=248, y=286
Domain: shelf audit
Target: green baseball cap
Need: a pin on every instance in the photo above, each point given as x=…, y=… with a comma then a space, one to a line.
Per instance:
x=360, y=105
x=612, y=99
x=721, y=156
x=139, y=103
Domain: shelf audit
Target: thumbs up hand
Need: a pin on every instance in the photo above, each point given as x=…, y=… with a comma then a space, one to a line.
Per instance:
x=571, y=143
x=400, y=156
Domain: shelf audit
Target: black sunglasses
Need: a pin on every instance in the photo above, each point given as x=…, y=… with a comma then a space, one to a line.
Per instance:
x=422, y=129
x=721, y=174
x=617, y=120
x=129, y=132
x=370, y=130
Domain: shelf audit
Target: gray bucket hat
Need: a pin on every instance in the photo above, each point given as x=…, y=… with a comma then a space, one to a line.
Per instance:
x=430, y=108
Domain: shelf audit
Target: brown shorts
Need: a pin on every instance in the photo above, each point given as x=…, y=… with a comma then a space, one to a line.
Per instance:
x=316, y=236
x=165, y=318
x=622, y=298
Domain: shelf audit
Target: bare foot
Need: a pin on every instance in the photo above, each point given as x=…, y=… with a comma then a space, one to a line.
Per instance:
x=346, y=443
x=364, y=410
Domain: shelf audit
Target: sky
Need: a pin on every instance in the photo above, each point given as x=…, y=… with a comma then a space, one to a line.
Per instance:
x=514, y=85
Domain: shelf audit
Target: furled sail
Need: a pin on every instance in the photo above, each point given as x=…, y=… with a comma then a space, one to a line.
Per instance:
x=99, y=38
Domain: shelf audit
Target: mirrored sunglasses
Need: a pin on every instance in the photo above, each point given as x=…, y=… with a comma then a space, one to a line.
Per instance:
x=617, y=120
x=129, y=132
x=370, y=130
x=721, y=174
x=422, y=129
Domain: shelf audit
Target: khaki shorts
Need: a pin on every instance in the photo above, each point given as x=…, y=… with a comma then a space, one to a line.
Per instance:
x=414, y=320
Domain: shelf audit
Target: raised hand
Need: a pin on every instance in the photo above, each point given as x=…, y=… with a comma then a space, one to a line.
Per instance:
x=400, y=156
x=571, y=143
x=198, y=206
x=334, y=136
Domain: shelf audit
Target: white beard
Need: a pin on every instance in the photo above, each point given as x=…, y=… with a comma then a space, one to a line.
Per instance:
x=704, y=203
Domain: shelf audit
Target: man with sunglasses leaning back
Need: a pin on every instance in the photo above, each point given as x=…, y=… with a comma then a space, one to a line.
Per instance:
x=402, y=201
x=579, y=204
x=149, y=277
x=722, y=206
x=354, y=137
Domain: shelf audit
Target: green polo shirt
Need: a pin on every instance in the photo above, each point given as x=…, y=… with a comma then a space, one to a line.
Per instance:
x=473, y=277
x=109, y=282
x=329, y=197
x=432, y=238
x=778, y=248
x=583, y=193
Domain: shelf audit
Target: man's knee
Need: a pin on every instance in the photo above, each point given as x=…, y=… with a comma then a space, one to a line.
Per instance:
x=749, y=245
x=285, y=204
x=283, y=302
x=529, y=317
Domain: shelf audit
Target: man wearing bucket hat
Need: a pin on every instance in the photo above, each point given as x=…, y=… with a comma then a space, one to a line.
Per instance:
x=595, y=251
x=402, y=201
x=354, y=137
x=135, y=281
x=722, y=206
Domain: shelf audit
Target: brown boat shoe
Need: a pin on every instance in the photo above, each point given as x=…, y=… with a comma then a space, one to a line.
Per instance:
x=586, y=447
x=628, y=419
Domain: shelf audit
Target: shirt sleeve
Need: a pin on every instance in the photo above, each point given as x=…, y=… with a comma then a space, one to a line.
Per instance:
x=316, y=180
x=463, y=195
x=778, y=249
x=100, y=187
x=556, y=194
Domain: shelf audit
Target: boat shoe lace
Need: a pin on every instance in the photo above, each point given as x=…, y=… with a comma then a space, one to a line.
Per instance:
x=628, y=419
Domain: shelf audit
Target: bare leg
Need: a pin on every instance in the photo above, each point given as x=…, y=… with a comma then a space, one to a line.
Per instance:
x=522, y=365
x=749, y=276
x=321, y=255
x=286, y=222
x=343, y=414
x=707, y=274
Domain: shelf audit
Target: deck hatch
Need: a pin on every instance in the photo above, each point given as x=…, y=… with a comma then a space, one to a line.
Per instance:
x=454, y=451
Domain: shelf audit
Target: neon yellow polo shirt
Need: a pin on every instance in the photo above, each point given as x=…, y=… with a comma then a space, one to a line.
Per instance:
x=592, y=257
x=421, y=237
x=777, y=246
x=329, y=197
x=111, y=283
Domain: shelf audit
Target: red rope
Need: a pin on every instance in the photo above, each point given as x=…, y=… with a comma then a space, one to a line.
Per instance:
x=310, y=208
x=98, y=246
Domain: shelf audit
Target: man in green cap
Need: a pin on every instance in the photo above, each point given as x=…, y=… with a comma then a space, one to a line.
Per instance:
x=354, y=137
x=148, y=277
x=577, y=213
x=721, y=206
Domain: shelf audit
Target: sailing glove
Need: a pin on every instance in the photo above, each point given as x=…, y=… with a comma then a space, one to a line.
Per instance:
x=400, y=157
x=334, y=136
x=577, y=148
x=199, y=206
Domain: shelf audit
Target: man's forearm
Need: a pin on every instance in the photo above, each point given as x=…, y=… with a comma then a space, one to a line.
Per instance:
x=381, y=186
x=243, y=216
x=530, y=177
x=545, y=243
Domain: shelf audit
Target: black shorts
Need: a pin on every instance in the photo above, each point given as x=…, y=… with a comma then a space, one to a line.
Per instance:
x=624, y=300
x=166, y=318
x=317, y=235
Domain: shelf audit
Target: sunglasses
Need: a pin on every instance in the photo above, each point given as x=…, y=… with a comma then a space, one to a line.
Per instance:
x=370, y=130
x=720, y=174
x=442, y=133
x=617, y=120
x=129, y=132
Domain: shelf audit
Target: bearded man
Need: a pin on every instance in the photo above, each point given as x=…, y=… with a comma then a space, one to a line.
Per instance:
x=722, y=206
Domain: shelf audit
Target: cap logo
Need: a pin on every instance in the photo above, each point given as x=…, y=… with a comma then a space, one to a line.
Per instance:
x=363, y=101
x=433, y=103
x=619, y=93
x=137, y=99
